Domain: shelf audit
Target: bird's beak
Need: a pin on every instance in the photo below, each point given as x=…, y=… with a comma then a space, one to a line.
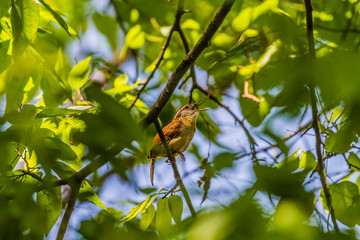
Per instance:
x=197, y=102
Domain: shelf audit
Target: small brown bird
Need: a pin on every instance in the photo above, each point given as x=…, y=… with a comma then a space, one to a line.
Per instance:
x=178, y=135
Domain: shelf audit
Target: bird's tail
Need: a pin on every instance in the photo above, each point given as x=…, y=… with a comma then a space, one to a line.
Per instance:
x=152, y=170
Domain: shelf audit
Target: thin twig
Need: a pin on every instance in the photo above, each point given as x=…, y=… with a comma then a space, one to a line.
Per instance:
x=187, y=49
x=174, y=27
x=33, y=175
x=213, y=98
x=175, y=169
x=321, y=171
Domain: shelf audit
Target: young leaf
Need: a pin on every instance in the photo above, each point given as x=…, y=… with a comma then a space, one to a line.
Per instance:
x=135, y=211
x=224, y=160
x=354, y=161
x=135, y=38
x=176, y=207
x=79, y=74
x=163, y=216
x=86, y=193
x=58, y=18
x=307, y=160
x=4, y=7
x=291, y=163
x=147, y=216
x=30, y=18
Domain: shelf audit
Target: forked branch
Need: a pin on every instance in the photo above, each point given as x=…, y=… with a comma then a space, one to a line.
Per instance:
x=315, y=124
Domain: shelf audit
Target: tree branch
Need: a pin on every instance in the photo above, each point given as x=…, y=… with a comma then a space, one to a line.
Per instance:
x=315, y=125
x=187, y=63
x=69, y=209
x=175, y=169
x=174, y=27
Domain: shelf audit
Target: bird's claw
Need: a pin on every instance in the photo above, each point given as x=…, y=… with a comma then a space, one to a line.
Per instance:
x=182, y=156
x=170, y=162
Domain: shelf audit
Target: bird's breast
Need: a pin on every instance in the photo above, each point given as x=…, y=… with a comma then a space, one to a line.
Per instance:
x=187, y=134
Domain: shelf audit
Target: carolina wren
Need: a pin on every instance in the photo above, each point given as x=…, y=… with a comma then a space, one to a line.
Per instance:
x=178, y=135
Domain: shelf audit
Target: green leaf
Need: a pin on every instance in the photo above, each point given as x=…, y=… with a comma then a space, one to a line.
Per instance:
x=4, y=7
x=249, y=14
x=146, y=217
x=63, y=170
x=339, y=142
x=163, y=216
x=16, y=21
x=354, y=161
x=25, y=19
x=54, y=93
x=224, y=160
x=121, y=85
x=253, y=111
x=345, y=201
x=107, y=26
x=23, y=84
x=79, y=74
x=114, y=123
x=50, y=202
x=53, y=112
x=5, y=58
x=30, y=18
x=66, y=153
x=135, y=38
x=23, y=118
x=279, y=182
x=136, y=210
x=58, y=18
x=291, y=163
x=307, y=160
x=140, y=207
x=87, y=193
x=176, y=207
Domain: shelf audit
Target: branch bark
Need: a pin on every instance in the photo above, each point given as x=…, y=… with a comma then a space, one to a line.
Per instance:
x=315, y=125
x=187, y=63
x=175, y=169
x=69, y=209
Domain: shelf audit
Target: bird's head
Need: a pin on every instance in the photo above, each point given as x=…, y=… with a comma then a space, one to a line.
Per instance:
x=189, y=110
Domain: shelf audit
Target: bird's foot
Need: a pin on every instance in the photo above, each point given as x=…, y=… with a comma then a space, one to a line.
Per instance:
x=182, y=156
x=169, y=161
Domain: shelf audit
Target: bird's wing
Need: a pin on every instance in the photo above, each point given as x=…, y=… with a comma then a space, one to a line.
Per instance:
x=171, y=131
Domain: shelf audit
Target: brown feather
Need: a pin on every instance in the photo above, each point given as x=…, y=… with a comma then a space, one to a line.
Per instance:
x=171, y=131
x=152, y=170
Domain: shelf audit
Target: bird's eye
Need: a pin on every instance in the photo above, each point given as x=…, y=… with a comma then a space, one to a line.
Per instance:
x=186, y=107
